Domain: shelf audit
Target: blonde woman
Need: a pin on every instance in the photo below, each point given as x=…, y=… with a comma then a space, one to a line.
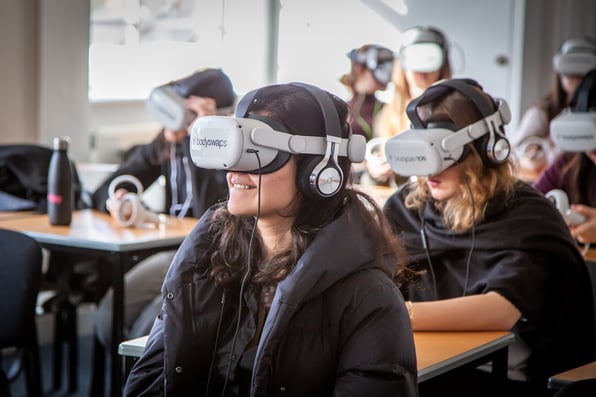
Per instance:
x=490, y=251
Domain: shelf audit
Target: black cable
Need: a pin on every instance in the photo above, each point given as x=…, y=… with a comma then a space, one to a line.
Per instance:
x=223, y=302
x=427, y=252
x=246, y=274
x=473, y=235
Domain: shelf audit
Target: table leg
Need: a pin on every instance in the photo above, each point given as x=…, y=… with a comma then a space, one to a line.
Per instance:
x=119, y=265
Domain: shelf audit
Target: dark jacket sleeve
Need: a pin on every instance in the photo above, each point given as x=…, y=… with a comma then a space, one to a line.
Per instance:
x=147, y=375
x=386, y=367
x=145, y=163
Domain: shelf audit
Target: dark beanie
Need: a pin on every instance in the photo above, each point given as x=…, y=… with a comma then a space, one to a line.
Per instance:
x=210, y=83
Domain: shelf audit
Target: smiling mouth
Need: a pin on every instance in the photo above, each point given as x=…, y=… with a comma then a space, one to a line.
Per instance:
x=243, y=187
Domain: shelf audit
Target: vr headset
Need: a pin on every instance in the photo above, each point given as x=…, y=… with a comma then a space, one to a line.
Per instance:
x=168, y=107
x=228, y=143
x=231, y=143
x=377, y=59
x=577, y=56
x=429, y=149
x=574, y=129
x=166, y=103
x=423, y=50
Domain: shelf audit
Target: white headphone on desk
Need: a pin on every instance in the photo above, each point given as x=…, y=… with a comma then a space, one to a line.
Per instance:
x=130, y=210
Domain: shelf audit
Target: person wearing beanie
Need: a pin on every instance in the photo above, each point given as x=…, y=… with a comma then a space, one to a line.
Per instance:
x=189, y=190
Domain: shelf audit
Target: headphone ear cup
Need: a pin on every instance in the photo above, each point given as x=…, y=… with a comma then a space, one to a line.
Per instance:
x=318, y=183
x=493, y=149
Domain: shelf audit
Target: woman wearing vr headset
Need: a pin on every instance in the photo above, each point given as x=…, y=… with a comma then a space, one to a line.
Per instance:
x=423, y=59
x=574, y=172
x=532, y=141
x=289, y=287
x=370, y=71
x=490, y=251
x=189, y=190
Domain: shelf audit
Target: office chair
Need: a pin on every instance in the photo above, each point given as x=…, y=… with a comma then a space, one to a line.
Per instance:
x=24, y=186
x=20, y=279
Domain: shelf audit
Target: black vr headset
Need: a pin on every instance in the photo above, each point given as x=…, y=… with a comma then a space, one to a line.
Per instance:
x=377, y=59
x=230, y=143
x=574, y=130
x=576, y=56
x=429, y=149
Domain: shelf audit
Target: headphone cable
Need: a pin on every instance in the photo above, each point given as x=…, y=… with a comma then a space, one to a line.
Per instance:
x=469, y=261
x=246, y=274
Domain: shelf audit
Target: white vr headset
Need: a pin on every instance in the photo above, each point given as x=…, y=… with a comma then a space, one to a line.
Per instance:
x=577, y=56
x=168, y=107
x=422, y=50
x=421, y=57
x=229, y=143
x=574, y=131
x=426, y=151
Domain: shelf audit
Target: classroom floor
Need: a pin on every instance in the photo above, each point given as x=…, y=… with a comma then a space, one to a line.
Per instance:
x=18, y=388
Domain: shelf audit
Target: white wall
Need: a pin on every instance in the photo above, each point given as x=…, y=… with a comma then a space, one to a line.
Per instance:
x=60, y=65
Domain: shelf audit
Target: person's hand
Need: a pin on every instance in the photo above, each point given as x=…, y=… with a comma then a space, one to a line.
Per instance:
x=585, y=232
x=202, y=106
x=113, y=205
x=380, y=172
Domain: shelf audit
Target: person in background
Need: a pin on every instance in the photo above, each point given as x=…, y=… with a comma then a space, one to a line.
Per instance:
x=288, y=289
x=532, y=142
x=189, y=191
x=423, y=59
x=371, y=69
x=574, y=171
x=490, y=251
x=370, y=72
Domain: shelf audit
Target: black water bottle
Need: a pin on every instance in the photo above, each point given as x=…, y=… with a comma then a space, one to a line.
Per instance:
x=60, y=193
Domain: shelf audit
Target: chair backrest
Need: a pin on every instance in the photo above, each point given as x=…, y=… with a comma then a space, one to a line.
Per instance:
x=20, y=278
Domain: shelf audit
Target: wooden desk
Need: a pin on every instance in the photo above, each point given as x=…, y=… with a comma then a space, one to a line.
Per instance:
x=436, y=352
x=587, y=371
x=98, y=234
x=591, y=254
x=440, y=352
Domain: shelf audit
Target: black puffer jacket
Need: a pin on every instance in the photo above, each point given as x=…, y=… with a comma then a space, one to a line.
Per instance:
x=337, y=326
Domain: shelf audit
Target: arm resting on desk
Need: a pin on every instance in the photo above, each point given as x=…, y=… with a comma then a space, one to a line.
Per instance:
x=474, y=312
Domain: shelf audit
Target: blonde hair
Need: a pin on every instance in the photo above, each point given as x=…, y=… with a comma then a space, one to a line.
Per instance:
x=481, y=182
x=393, y=118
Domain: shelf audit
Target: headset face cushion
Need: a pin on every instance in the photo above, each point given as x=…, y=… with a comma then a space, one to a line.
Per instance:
x=421, y=57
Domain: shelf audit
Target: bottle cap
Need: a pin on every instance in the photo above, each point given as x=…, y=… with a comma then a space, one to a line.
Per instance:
x=61, y=143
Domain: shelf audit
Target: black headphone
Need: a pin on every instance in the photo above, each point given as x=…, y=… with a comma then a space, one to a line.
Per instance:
x=322, y=176
x=493, y=147
x=377, y=59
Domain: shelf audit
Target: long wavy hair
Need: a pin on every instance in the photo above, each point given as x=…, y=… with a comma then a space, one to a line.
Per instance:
x=480, y=181
x=299, y=113
x=393, y=118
